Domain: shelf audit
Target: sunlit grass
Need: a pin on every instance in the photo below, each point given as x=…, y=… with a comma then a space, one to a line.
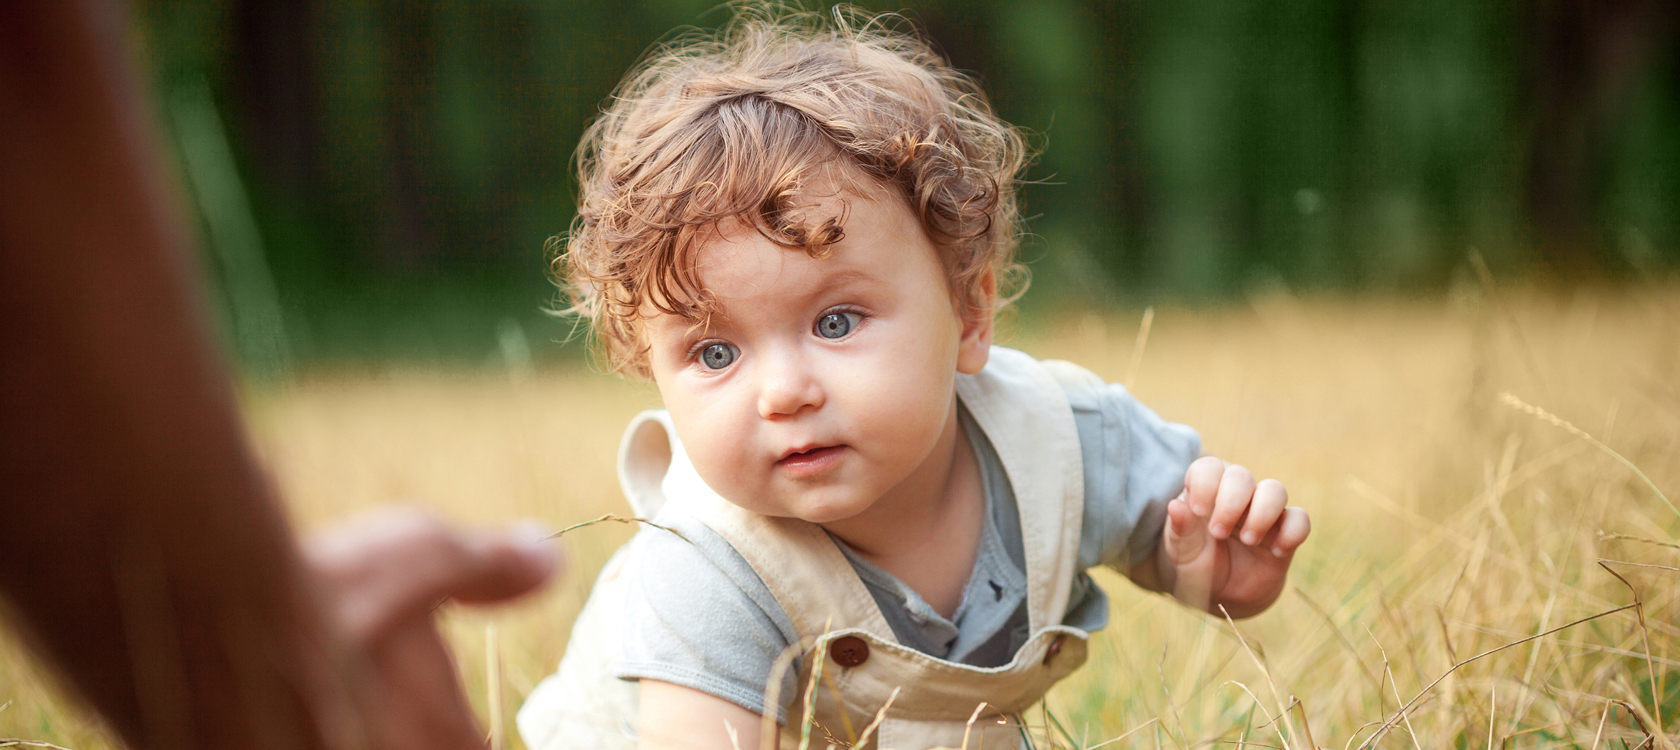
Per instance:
x=1446, y=522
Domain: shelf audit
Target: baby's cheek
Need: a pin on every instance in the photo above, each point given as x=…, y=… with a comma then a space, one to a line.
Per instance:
x=718, y=461
x=716, y=454
x=908, y=426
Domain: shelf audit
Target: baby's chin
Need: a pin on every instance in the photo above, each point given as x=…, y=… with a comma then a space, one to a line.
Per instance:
x=814, y=507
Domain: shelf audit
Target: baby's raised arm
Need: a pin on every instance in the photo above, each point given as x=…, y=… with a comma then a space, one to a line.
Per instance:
x=1228, y=541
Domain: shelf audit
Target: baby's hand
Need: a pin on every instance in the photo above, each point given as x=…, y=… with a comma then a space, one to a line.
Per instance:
x=1229, y=540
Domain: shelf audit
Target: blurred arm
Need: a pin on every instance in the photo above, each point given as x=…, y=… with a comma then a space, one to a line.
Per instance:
x=144, y=555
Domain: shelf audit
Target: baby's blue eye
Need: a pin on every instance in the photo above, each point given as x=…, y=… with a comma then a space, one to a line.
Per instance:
x=719, y=356
x=837, y=324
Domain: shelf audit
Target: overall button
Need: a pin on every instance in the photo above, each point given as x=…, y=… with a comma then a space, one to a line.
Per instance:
x=1055, y=648
x=849, y=651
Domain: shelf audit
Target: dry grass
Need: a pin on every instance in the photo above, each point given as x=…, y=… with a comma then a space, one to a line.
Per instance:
x=1447, y=522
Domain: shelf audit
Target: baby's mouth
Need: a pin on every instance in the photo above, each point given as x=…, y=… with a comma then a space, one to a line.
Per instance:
x=811, y=460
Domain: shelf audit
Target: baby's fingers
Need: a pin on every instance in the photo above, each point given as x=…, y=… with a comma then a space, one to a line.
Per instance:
x=1236, y=489
x=1201, y=482
x=1186, y=533
x=1291, y=531
x=1270, y=498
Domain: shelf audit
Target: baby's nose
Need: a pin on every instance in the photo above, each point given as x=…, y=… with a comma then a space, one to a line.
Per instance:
x=787, y=387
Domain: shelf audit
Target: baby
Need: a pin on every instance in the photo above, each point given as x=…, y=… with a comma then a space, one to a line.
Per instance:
x=801, y=230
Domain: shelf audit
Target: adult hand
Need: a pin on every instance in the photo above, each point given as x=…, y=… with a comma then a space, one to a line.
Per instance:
x=380, y=580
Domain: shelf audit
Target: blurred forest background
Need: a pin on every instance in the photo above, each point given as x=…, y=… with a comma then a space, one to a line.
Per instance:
x=1314, y=191
x=377, y=178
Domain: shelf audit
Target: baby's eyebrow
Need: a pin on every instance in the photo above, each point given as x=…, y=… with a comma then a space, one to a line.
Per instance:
x=692, y=327
x=847, y=277
x=684, y=326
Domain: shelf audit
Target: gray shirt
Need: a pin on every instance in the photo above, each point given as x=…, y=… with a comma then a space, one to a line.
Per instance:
x=697, y=614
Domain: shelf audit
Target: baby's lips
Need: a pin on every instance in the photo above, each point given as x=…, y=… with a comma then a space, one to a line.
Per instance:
x=803, y=448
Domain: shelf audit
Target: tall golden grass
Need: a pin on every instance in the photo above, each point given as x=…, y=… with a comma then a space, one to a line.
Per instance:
x=1481, y=468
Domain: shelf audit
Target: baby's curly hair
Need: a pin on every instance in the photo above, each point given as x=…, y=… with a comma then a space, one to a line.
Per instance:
x=736, y=124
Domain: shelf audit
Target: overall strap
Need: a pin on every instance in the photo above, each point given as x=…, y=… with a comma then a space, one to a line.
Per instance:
x=1019, y=403
x=803, y=568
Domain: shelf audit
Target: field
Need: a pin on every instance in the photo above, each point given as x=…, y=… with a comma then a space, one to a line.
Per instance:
x=1481, y=467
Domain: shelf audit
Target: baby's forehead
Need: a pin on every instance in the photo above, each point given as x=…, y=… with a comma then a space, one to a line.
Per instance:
x=830, y=190
x=739, y=252
x=748, y=269
x=737, y=268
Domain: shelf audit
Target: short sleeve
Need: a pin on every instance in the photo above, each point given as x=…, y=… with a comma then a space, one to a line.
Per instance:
x=1134, y=463
x=697, y=615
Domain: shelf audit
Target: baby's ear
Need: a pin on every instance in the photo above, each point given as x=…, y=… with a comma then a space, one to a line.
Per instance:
x=975, y=346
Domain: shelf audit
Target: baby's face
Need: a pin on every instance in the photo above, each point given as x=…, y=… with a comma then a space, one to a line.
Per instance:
x=821, y=385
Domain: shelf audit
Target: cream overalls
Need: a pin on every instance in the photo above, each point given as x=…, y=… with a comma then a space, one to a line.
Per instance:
x=1020, y=406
